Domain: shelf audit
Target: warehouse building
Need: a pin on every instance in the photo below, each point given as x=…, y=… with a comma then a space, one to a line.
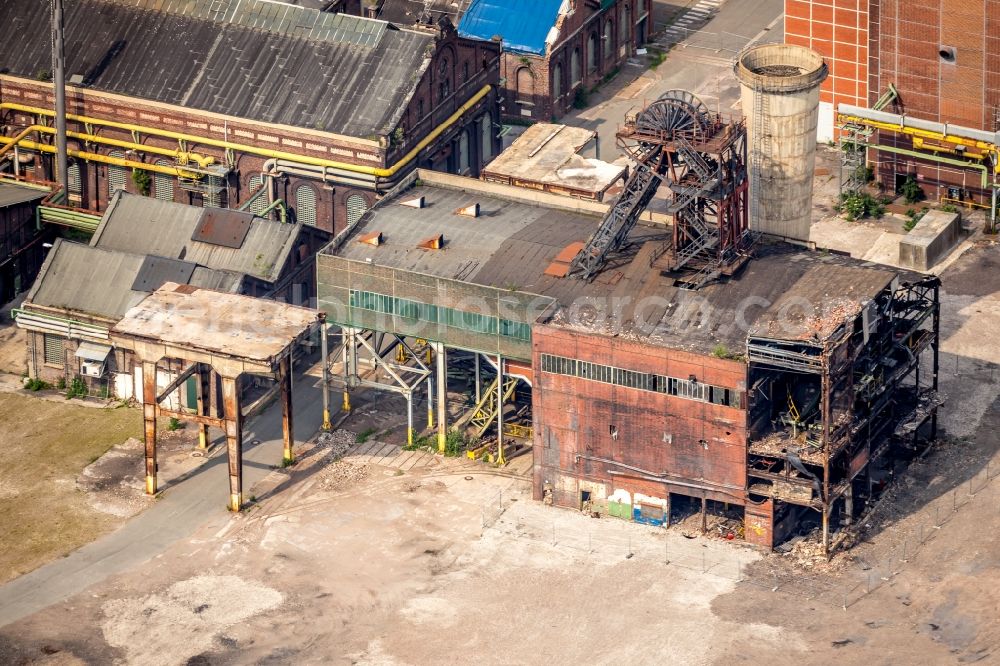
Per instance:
x=82, y=291
x=931, y=71
x=245, y=102
x=779, y=392
x=21, y=238
x=557, y=51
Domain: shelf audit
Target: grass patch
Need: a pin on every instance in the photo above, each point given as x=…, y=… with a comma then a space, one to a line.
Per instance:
x=419, y=442
x=364, y=435
x=46, y=446
x=656, y=58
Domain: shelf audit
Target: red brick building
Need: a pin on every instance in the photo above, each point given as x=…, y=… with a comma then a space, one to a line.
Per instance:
x=942, y=57
x=556, y=51
x=240, y=108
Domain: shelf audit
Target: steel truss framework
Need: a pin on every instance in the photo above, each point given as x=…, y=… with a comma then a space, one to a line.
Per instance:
x=702, y=158
x=845, y=405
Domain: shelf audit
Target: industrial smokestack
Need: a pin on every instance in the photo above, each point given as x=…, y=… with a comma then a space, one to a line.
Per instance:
x=59, y=84
x=780, y=93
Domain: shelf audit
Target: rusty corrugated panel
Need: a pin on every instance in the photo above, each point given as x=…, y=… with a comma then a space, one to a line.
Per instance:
x=222, y=226
x=569, y=252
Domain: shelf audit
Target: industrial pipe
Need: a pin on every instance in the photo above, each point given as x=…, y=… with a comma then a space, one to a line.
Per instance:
x=118, y=161
x=378, y=172
x=182, y=156
x=59, y=84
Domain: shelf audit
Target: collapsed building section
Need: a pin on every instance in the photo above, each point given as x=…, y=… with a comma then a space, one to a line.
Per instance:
x=835, y=391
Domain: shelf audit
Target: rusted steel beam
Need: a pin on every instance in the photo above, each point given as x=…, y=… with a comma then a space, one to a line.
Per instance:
x=188, y=416
x=287, y=427
x=180, y=379
x=234, y=440
x=204, y=398
x=149, y=422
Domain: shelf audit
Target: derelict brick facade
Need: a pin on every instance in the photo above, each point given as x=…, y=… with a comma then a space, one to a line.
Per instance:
x=699, y=444
x=869, y=44
x=459, y=69
x=543, y=88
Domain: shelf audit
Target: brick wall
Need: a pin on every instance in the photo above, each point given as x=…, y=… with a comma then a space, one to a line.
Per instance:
x=466, y=65
x=542, y=88
x=699, y=443
x=837, y=30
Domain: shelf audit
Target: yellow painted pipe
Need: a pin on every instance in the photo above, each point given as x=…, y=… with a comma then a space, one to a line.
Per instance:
x=184, y=156
x=11, y=142
x=118, y=161
x=378, y=172
x=924, y=134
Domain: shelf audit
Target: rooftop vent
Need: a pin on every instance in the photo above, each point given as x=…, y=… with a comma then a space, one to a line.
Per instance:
x=374, y=238
x=469, y=211
x=413, y=203
x=432, y=243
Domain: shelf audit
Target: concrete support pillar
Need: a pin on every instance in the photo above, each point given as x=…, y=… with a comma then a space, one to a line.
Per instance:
x=442, y=398
x=149, y=422
x=324, y=352
x=501, y=458
x=287, y=424
x=234, y=440
x=204, y=396
x=667, y=511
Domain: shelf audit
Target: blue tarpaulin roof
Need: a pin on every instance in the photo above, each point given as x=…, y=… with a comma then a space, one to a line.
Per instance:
x=523, y=24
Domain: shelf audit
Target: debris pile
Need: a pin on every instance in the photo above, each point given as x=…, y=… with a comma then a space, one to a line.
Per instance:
x=338, y=470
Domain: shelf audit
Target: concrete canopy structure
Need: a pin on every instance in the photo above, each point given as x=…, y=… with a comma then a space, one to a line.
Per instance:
x=213, y=332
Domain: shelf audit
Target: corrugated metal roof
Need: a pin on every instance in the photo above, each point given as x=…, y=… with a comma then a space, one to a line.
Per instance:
x=523, y=24
x=426, y=12
x=145, y=225
x=98, y=282
x=260, y=60
x=513, y=243
x=155, y=271
x=11, y=194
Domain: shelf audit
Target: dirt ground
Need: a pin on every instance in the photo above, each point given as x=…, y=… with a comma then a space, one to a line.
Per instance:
x=46, y=444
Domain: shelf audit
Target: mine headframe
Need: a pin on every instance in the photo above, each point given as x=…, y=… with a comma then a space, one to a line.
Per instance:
x=701, y=157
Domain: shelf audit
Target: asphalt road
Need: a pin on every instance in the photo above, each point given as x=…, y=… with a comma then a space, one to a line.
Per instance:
x=700, y=60
x=195, y=501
